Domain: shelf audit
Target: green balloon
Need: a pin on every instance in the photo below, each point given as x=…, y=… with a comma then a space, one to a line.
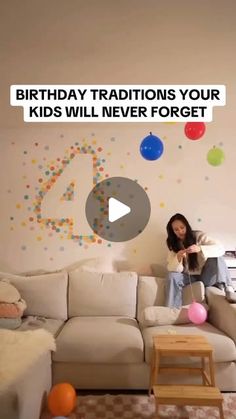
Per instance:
x=215, y=156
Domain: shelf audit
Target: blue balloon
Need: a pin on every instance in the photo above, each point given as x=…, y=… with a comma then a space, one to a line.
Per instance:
x=151, y=147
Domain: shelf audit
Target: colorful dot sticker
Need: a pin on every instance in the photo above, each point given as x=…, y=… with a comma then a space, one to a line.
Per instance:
x=69, y=193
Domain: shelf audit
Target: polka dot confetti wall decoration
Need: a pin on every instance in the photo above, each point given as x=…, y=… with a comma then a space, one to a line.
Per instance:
x=49, y=175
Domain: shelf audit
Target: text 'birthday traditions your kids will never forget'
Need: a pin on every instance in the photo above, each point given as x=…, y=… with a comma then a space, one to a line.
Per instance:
x=118, y=103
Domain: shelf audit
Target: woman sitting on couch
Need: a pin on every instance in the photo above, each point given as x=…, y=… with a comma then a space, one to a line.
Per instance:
x=193, y=253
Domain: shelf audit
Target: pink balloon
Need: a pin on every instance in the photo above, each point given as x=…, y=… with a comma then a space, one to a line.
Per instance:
x=197, y=314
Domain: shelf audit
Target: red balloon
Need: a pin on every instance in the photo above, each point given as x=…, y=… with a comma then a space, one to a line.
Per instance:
x=194, y=130
x=61, y=399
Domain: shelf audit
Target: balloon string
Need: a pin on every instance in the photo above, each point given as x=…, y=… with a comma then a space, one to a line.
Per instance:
x=189, y=276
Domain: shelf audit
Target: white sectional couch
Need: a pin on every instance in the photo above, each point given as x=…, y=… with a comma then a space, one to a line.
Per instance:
x=101, y=338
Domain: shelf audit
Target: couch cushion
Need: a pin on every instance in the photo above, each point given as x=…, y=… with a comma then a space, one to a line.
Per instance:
x=97, y=294
x=223, y=347
x=45, y=295
x=151, y=292
x=198, y=289
x=108, y=340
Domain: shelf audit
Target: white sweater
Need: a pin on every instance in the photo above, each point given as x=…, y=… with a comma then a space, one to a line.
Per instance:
x=209, y=249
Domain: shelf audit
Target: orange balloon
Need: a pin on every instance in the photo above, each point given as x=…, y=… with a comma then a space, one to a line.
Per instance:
x=61, y=399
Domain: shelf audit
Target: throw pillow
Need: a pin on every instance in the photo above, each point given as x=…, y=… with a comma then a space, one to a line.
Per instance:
x=160, y=316
x=104, y=265
x=12, y=310
x=10, y=323
x=8, y=293
x=45, y=295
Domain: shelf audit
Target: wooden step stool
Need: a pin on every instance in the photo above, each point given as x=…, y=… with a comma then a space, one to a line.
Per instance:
x=188, y=396
x=184, y=345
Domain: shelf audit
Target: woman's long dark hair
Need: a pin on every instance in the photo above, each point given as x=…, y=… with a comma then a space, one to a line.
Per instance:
x=174, y=243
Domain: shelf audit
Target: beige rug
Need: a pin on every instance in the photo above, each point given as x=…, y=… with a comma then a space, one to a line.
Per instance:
x=142, y=407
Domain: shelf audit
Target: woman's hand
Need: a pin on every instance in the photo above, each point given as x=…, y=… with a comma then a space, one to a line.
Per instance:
x=193, y=249
x=181, y=254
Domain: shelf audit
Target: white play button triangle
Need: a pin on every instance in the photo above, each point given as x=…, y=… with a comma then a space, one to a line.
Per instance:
x=116, y=209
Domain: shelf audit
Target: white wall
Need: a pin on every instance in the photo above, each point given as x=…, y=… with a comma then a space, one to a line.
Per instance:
x=108, y=42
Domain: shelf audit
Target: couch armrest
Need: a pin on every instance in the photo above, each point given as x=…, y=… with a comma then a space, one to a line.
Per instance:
x=222, y=314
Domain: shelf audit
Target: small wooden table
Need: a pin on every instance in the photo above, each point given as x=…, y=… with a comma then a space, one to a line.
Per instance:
x=184, y=345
